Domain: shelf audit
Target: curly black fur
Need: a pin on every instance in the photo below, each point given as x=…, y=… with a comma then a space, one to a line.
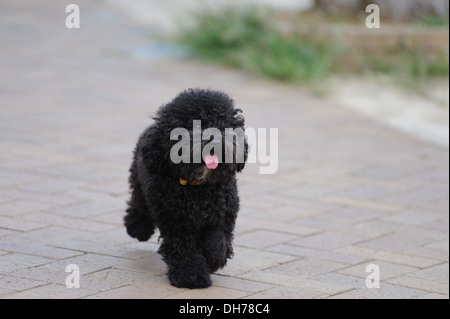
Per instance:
x=196, y=222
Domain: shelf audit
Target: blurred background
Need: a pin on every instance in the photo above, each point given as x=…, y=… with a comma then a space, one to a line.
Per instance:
x=397, y=74
x=363, y=119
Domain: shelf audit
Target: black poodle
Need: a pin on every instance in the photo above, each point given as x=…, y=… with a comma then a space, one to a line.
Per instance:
x=193, y=203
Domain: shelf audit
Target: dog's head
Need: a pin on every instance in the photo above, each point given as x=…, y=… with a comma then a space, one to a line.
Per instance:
x=198, y=137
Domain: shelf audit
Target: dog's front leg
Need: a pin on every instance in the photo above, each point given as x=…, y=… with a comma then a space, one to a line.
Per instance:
x=216, y=248
x=187, y=266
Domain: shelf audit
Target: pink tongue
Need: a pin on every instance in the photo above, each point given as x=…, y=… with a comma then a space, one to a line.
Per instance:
x=211, y=161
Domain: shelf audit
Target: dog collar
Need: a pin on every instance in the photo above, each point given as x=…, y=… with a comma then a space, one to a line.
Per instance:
x=185, y=182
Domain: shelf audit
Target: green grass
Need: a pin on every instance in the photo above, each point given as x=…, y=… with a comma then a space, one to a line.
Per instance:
x=245, y=38
x=433, y=21
x=410, y=69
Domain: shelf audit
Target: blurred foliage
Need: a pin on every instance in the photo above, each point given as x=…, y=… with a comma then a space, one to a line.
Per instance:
x=430, y=12
x=433, y=21
x=411, y=69
x=246, y=38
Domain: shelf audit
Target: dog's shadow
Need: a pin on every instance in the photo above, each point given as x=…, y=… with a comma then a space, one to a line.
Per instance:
x=143, y=257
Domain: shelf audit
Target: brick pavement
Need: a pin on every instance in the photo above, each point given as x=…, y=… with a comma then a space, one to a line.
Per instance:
x=349, y=192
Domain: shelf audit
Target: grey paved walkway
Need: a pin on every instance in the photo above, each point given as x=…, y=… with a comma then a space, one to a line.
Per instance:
x=348, y=193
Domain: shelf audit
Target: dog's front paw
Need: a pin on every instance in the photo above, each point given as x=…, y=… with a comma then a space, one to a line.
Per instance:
x=139, y=232
x=181, y=280
x=138, y=228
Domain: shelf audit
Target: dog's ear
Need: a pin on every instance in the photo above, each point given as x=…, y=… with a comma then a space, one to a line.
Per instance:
x=240, y=166
x=239, y=122
x=152, y=152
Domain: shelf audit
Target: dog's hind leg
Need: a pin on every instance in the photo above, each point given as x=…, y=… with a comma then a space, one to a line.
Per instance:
x=138, y=220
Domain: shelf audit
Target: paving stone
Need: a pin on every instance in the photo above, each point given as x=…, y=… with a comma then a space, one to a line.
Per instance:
x=50, y=186
x=318, y=224
x=438, y=273
x=439, y=225
x=432, y=296
x=309, y=192
x=386, y=291
x=10, y=178
x=69, y=222
x=92, y=282
x=305, y=232
x=348, y=216
x=6, y=232
x=317, y=254
x=288, y=228
x=87, y=263
x=286, y=293
x=384, y=172
x=414, y=218
x=212, y=293
x=246, y=259
x=13, y=283
x=36, y=249
x=389, y=256
x=371, y=191
x=115, y=237
x=239, y=284
x=56, y=274
x=48, y=235
x=13, y=261
x=132, y=292
x=423, y=284
x=48, y=274
x=310, y=267
x=35, y=201
x=6, y=292
x=387, y=270
x=444, y=204
x=85, y=209
x=428, y=252
x=103, y=249
x=271, y=202
x=376, y=228
x=51, y=291
x=21, y=224
x=66, y=169
x=22, y=207
x=114, y=218
x=440, y=245
x=283, y=214
x=111, y=187
x=261, y=239
x=327, y=240
x=396, y=242
x=295, y=281
x=375, y=205
x=137, y=279
x=96, y=201
x=430, y=193
x=341, y=279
